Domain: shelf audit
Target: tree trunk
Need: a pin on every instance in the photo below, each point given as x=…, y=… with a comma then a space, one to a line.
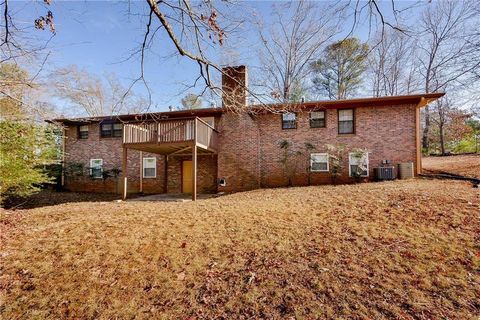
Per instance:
x=442, y=140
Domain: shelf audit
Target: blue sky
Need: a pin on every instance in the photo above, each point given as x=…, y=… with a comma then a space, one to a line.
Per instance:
x=98, y=36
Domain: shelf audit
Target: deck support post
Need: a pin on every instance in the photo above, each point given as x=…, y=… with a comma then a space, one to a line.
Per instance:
x=124, y=173
x=62, y=182
x=141, y=172
x=165, y=174
x=194, y=161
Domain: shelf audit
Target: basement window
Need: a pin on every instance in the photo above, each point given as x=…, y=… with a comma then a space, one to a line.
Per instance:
x=96, y=168
x=289, y=120
x=111, y=130
x=358, y=164
x=83, y=132
x=319, y=162
x=346, y=121
x=149, y=167
x=317, y=119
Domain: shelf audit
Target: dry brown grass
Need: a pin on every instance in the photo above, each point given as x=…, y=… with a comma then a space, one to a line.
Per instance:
x=407, y=249
x=465, y=165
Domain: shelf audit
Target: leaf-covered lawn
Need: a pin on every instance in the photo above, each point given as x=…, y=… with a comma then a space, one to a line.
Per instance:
x=405, y=249
x=465, y=165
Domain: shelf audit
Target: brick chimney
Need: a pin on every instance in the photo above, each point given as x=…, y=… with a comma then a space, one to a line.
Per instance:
x=234, y=84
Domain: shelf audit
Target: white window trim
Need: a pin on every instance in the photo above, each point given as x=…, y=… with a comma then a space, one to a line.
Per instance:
x=350, y=164
x=319, y=154
x=143, y=168
x=91, y=168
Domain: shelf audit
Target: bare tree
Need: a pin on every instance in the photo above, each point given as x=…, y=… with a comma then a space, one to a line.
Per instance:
x=91, y=95
x=298, y=32
x=448, y=44
x=449, y=123
x=16, y=42
x=392, y=68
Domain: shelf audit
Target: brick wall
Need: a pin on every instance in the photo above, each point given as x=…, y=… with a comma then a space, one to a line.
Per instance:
x=206, y=173
x=110, y=150
x=238, y=154
x=250, y=154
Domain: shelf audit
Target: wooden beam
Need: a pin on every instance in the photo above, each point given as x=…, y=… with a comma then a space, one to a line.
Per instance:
x=418, y=143
x=180, y=151
x=141, y=172
x=194, y=162
x=124, y=173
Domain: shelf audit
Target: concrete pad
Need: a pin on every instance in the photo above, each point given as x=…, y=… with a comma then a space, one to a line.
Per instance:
x=171, y=197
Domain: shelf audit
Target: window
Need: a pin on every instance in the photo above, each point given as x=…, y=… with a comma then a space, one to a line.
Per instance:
x=82, y=132
x=317, y=119
x=149, y=167
x=96, y=168
x=319, y=162
x=358, y=164
x=111, y=130
x=346, y=121
x=289, y=120
x=117, y=129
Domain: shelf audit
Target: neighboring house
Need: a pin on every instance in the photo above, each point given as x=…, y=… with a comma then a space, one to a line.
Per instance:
x=220, y=149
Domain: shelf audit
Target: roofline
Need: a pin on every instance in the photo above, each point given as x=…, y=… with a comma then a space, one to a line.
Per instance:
x=142, y=116
x=420, y=100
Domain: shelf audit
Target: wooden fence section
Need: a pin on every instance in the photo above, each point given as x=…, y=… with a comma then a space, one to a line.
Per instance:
x=171, y=131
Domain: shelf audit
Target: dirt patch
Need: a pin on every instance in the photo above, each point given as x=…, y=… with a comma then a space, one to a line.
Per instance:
x=465, y=165
x=404, y=249
x=50, y=198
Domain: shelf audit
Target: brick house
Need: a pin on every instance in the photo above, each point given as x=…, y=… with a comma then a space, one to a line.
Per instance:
x=223, y=149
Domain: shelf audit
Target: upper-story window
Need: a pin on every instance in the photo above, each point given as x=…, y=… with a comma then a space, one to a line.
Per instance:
x=289, y=120
x=110, y=130
x=346, y=121
x=317, y=119
x=83, y=132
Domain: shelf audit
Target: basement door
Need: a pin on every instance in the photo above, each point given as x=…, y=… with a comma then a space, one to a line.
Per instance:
x=187, y=176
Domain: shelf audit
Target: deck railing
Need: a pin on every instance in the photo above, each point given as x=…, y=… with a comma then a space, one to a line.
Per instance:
x=171, y=131
x=206, y=134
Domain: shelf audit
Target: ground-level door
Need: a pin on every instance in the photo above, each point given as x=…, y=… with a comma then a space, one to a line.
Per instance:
x=187, y=176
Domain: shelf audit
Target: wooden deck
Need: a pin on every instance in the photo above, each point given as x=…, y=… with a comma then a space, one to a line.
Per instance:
x=172, y=137
x=169, y=137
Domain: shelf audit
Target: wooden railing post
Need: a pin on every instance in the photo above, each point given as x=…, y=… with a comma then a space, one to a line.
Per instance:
x=194, y=161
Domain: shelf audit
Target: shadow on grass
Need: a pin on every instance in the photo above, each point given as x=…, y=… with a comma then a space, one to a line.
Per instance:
x=50, y=197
